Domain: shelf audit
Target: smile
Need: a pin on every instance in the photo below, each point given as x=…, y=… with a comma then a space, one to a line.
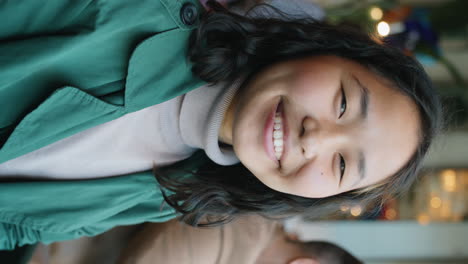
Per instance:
x=278, y=141
x=275, y=133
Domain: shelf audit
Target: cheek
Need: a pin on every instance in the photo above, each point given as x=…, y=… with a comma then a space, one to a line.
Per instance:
x=312, y=91
x=248, y=142
x=241, y=140
x=313, y=181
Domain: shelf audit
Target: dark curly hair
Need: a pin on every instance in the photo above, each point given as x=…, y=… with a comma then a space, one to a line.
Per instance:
x=226, y=46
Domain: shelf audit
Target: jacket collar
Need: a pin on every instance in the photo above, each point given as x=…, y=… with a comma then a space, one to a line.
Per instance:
x=145, y=78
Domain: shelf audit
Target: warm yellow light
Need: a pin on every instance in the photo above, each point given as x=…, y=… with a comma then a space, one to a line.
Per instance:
x=436, y=202
x=390, y=214
x=344, y=207
x=356, y=210
x=423, y=219
x=376, y=13
x=383, y=28
x=449, y=180
x=446, y=210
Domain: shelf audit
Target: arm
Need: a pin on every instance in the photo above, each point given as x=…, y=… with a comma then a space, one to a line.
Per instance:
x=30, y=17
x=173, y=242
x=62, y=210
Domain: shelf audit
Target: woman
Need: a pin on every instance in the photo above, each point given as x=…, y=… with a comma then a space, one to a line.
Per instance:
x=303, y=106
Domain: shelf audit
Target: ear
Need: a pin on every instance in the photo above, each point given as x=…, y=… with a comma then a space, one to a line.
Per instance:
x=302, y=260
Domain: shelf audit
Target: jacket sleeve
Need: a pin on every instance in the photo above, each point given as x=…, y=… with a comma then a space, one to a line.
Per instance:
x=23, y=18
x=63, y=210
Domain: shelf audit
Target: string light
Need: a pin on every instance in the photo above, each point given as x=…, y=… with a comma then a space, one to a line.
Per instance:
x=390, y=214
x=376, y=13
x=449, y=180
x=356, y=210
x=344, y=207
x=383, y=28
x=436, y=202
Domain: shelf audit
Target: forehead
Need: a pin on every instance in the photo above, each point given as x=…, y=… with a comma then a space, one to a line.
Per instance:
x=392, y=131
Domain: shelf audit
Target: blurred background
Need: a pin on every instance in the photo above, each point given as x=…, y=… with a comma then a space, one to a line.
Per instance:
x=429, y=224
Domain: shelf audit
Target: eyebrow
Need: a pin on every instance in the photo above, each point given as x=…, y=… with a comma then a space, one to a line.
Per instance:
x=364, y=103
x=361, y=167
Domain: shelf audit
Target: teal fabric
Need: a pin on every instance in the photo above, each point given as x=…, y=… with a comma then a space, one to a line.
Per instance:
x=66, y=66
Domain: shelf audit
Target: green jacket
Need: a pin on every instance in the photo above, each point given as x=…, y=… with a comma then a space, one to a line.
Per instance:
x=66, y=66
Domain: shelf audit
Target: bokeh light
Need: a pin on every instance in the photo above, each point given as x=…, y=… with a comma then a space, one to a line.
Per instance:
x=383, y=28
x=436, y=202
x=423, y=219
x=356, y=210
x=449, y=180
x=390, y=214
x=376, y=13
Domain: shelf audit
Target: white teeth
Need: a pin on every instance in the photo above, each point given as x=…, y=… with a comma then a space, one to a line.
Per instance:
x=278, y=136
x=278, y=118
x=278, y=142
x=278, y=155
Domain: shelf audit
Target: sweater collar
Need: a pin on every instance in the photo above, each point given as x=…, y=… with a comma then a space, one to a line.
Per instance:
x=201, y=115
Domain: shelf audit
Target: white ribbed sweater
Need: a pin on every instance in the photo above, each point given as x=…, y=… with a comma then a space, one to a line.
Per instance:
x=158, y=135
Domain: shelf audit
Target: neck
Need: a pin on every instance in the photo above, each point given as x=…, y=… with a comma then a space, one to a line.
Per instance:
x=225, y=131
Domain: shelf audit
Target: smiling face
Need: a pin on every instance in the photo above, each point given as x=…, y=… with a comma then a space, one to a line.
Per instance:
x=320, y=126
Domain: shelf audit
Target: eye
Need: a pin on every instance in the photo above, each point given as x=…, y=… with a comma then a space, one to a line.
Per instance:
x=342, y=167
x=343, y=102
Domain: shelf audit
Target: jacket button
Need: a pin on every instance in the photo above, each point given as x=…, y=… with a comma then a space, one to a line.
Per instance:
x=189, y=14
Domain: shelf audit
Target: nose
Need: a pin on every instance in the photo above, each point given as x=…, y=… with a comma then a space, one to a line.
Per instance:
x=317, y=137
